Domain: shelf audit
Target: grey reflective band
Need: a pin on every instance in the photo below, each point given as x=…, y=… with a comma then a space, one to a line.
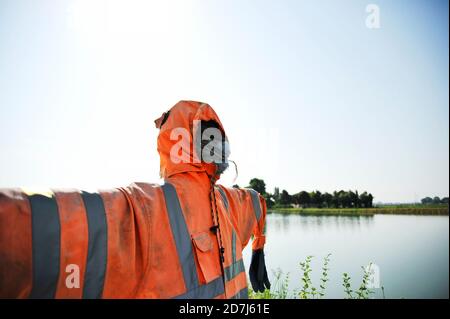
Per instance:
x=46, y=236
x=181, y=236
x=256, y=203
x=233, y=246
x=242, y=294
x=94, y=278
x=233, y=235
x=224, y=198
x=234, y=269
x=210, y=290
x=186, y=255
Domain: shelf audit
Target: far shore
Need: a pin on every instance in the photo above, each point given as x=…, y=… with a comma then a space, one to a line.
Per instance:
x=387, y=210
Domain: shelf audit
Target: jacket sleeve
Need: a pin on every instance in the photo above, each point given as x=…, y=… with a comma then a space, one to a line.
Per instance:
x=15, y=244
x=248, y=214
x=72, y=244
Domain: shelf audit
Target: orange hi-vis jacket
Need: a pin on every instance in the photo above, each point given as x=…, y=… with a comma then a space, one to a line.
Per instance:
x=140, y=241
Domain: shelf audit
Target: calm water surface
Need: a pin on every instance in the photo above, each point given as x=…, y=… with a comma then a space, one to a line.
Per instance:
x=411, y=252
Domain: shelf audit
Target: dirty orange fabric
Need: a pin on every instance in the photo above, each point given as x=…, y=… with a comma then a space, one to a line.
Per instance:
x=74, y=232
x=122, y=240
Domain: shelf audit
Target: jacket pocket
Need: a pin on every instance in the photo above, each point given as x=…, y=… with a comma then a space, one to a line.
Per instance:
x=207, y=260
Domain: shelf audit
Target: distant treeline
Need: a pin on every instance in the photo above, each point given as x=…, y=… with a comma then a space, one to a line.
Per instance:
x=338, y=199
x=434, y=201
x=317, y=199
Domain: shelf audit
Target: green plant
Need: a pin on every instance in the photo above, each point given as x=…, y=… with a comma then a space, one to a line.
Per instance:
x=307, y=289
x=347, y=286
x=324, y=279
x=363, y=291
x=280, y=285
x=259, y=295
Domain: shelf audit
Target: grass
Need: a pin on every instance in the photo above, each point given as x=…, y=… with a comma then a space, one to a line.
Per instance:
x=386, y=209
x=412, y=205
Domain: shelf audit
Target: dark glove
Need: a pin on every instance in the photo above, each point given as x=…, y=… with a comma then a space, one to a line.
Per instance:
x=258, y=272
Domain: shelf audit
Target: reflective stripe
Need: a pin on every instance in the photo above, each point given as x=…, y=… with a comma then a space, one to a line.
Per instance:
x=224, y=198
x=234, y=269
x=182, y=238
x=46, y=235
x=242, y=294
x=97, y=247
x=210, y=290
x=233, y=235
x=186, y=255
x=256, y=203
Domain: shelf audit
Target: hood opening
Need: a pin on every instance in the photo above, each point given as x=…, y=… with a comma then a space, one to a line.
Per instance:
x=180, y=145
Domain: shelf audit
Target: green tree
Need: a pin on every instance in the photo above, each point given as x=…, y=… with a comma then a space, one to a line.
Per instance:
x=269, y=200
x=335, y=200
x=356, y=201
x=327, y=199
x=366, y=200
x=343, y=199
x=427, y=200
x=276, y=195
x=303, y=199
x=316, y=199
x=436, y=200
x=353, y=198
x=370, y=200
x=444, y=200
x=258, y=185
x=285, y=198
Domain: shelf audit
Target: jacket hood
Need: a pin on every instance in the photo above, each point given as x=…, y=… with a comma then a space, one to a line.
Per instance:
x=178, y=127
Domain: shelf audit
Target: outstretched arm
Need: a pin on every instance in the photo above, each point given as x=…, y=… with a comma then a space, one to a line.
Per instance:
x=70, y=244
x=248, y=214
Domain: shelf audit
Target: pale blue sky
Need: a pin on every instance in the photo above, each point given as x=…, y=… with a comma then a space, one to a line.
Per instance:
x=310, y=97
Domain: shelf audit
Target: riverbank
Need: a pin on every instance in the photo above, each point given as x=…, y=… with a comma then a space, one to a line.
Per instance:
x=389, y=210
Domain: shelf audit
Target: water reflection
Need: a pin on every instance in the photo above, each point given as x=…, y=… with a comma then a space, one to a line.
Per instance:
x=404, y=247
x=286, y=223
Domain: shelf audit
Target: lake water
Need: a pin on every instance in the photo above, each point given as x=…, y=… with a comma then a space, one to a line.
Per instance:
x=411, y=252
